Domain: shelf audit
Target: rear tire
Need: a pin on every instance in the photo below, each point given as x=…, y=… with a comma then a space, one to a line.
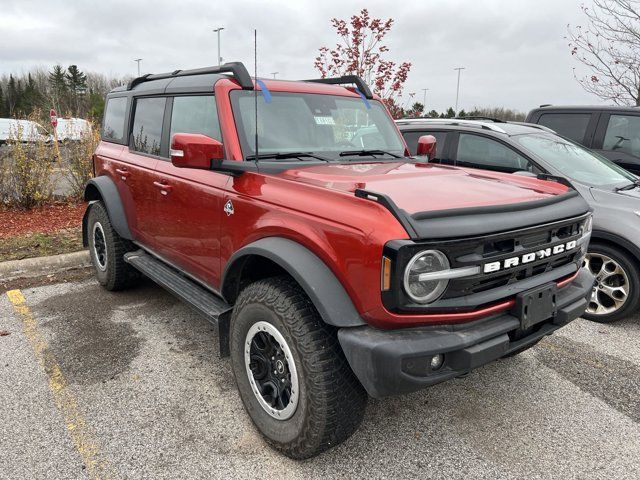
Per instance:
x=616, y=293
x=274, y=320
x=107, y=250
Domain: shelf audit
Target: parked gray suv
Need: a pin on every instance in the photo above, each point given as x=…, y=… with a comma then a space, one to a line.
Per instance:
x=613, y=132
x=531, y=150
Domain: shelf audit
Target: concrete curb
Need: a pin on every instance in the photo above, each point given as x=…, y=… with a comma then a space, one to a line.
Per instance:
x=35, y=267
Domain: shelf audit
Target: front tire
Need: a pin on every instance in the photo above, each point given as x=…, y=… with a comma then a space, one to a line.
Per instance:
x=107, y=250
x=293, y=378
x=616, y=292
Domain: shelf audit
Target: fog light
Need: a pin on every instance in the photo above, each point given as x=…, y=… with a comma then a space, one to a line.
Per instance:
x=437, y=361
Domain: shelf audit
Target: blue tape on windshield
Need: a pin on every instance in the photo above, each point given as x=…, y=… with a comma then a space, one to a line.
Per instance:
x=364, y=99
x=265, y=91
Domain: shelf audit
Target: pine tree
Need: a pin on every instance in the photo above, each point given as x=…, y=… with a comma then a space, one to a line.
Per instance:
x=58, y=83
x=76, y=79
x=450, y=113
x=77, y=83
x=2, y=103
x=13, y=95
x=31, y=97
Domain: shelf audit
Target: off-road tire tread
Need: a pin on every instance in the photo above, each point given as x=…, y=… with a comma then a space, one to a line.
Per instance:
x=120, y=275
x=337, y=398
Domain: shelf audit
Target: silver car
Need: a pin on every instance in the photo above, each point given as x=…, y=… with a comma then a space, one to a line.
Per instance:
x=527, y=149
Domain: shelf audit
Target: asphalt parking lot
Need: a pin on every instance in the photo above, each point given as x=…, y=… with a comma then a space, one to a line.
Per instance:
x=129, y=385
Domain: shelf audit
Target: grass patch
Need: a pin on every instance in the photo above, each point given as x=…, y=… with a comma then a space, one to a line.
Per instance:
x=41, y=244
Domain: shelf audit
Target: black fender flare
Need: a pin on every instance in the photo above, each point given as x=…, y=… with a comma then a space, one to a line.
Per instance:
x=616, y=239
x=323, y=288
x=103, y=188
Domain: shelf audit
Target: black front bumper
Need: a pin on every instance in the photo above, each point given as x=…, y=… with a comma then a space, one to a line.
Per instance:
x=392, y=362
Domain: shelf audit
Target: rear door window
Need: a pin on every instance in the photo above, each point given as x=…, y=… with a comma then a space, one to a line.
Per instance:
x=482, y=152
x=570, y=125
x=114, y=119
x=146, y=135
x=411, y=138
x=623, y=134
x=196, y=114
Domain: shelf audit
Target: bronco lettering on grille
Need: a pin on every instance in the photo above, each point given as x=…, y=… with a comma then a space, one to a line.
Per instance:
x=529, y=257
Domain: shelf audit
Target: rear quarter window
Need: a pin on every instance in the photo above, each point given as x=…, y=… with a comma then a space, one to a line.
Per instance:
x=113, y=126
x=570, y=125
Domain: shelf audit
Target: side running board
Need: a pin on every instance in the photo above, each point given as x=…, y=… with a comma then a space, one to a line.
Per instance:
x=212, y=307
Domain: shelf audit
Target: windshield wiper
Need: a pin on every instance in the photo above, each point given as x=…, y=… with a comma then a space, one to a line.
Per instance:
x=286, y=155
x=367, y=153
x=631, y=186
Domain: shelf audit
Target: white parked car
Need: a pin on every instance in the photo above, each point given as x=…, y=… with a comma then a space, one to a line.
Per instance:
x=72, y=128
x=29, y=131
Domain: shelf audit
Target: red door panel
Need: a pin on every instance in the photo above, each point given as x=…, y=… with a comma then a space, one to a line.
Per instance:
x=186, y=224
x=134, y=175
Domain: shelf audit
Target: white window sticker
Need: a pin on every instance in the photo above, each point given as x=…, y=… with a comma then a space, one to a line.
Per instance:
x=325, y=120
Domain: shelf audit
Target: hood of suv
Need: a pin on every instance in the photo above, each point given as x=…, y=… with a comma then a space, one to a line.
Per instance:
x=421, y=187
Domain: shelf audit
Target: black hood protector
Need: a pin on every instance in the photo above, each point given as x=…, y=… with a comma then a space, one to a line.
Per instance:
x=474, y=221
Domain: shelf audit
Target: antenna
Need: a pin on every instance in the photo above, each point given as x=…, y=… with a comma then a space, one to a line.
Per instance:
x=255, y=89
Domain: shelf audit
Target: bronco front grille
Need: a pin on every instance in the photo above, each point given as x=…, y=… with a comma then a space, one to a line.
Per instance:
x=497, y=248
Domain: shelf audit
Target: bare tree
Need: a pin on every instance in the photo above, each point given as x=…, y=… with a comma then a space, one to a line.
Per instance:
x=609, y=45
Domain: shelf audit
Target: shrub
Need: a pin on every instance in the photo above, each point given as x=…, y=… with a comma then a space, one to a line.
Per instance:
x=27, y=167
x=77, y=160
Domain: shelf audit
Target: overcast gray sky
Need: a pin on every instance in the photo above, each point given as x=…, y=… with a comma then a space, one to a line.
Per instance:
x=514, y=51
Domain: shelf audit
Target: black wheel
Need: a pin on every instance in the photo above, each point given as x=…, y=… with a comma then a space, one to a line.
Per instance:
x=291, y=373
x=615, y=294
x=107, y=250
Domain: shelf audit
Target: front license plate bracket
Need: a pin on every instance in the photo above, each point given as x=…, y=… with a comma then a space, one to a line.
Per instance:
x=536, y=305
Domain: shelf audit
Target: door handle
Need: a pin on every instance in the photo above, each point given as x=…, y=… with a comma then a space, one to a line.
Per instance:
x=164, y=188
x=123, y=172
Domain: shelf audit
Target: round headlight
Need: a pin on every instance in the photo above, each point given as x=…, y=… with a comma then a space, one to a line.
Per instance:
x=425, y=291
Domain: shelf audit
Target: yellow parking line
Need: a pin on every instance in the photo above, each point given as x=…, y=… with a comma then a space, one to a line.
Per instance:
x=96, y=466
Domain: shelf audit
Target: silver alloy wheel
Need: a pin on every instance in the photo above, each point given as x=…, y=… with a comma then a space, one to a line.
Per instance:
x=271, y=370
x=99, y=246
x=611, y=290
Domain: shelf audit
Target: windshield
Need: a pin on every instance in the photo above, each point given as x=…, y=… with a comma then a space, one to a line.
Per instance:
x=573, y=161
x=303, y=122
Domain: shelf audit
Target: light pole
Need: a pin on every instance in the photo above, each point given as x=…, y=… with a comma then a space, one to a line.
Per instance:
x=138, y=60
x=459, y=69
x=274, y=74
x=424, y=100
x=218, y=30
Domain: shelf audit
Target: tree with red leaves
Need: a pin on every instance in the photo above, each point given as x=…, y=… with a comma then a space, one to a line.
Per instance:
x=361, y=52
x=609, y=45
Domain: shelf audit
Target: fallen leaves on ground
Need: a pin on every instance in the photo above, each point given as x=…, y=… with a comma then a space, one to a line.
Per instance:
x=47, y=219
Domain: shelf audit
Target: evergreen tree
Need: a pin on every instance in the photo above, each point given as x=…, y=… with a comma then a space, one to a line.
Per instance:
x=31, y=97
x=77, y=83
x=2, y=103
x=13, y=95
x=433, y=114
x=96, y=107
x=450, y=113
x=462, y=114
x=58, y=83
x=76, y=79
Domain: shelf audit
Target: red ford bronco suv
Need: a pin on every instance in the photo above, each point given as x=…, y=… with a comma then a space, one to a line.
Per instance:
x=333, y=264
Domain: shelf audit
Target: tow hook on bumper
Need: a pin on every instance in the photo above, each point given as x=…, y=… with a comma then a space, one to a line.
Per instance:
x=392, y=362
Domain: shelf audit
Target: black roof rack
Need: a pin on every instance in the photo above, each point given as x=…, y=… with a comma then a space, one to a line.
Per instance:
x=480, y=117
x=238, y=70
x=359, y=83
